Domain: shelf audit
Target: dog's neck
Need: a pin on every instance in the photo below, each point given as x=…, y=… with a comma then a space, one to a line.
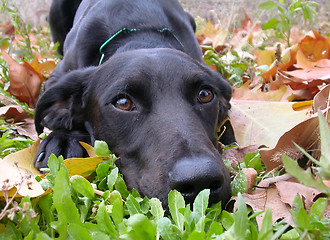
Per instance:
x=128, y=39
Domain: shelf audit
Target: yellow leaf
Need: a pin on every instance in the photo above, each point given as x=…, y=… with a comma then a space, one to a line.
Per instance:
x=18, y=173
x=25, y=158
x=83, y=166
x=89, y=149
x=264, y=57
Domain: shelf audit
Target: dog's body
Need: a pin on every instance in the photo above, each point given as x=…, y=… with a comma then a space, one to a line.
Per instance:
x=152, y=99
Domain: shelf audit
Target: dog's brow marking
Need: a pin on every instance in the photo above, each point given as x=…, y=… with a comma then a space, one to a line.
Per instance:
x=132, y=30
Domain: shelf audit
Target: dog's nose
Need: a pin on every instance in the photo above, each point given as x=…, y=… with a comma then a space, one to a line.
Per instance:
x=192, y=175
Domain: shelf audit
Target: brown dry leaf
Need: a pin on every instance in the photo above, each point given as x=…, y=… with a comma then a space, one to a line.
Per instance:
x=321, y=100
x=295, y=35
x=263, y=123
x=83, y=166
x=25, y=82
x=251, y=176
x=18, y=168
x=302, y=90
x=305, y=134
x=266, y=196
x=289, y=190
x=278, y=193
x=15, y=112
x=27, y=128
x=321, y=73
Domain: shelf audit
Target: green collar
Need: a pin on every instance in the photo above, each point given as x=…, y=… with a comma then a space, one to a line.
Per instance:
x=132, y=30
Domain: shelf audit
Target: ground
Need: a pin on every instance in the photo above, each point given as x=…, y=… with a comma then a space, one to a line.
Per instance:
x=226, y=10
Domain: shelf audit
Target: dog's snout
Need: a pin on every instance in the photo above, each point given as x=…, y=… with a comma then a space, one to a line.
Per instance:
x=189, y=176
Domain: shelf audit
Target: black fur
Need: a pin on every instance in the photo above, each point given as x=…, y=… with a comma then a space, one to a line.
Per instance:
x=168, y=139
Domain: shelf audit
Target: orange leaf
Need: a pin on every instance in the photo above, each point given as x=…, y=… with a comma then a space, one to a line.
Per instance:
x=315, y=47
x=25, y=82
x=268, y=76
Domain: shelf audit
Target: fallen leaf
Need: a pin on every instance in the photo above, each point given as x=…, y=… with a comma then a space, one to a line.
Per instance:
x=15, y=112
x=313, y=58
x=314, y=47
x=27, y=128
x=25, y=82
x=321, y=100
x=278, y=194
x=288, y=58
x=212, y=35
x=41, y=66
x=251, y=176
x=17, y=173
x=83, y=166
x=264, y=57
x=245, y=93
x=263, y=198
x=246, y=34
x=289, y=190
x=305, y=134
x=263, y=123
x=310, y=75
x=89, y=149
x=25, y=158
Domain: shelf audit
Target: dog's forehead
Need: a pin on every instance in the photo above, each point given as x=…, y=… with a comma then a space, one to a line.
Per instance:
x=150, y=67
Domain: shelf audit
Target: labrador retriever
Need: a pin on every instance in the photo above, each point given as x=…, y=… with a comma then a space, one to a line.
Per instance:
x=132, y=74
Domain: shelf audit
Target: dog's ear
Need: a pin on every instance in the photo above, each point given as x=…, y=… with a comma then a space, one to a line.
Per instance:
x=192, y=21
x=61, y=105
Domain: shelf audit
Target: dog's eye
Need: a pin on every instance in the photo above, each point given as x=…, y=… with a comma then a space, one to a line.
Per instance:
x=205, y=95
x=125, y=104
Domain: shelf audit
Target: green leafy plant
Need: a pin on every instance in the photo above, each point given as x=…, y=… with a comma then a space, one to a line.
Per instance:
x=10, y=143
x=312, y=226
x=321, y=167
x=103, y=208
x=289, y=14
x=231, y=66
x=22, y=28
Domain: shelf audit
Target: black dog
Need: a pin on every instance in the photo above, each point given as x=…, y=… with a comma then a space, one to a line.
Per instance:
x=133, y=76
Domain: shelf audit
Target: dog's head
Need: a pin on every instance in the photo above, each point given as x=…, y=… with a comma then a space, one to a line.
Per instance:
x=159, y=111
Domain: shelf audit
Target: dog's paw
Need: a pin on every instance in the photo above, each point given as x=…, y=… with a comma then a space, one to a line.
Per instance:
x=61, y=142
